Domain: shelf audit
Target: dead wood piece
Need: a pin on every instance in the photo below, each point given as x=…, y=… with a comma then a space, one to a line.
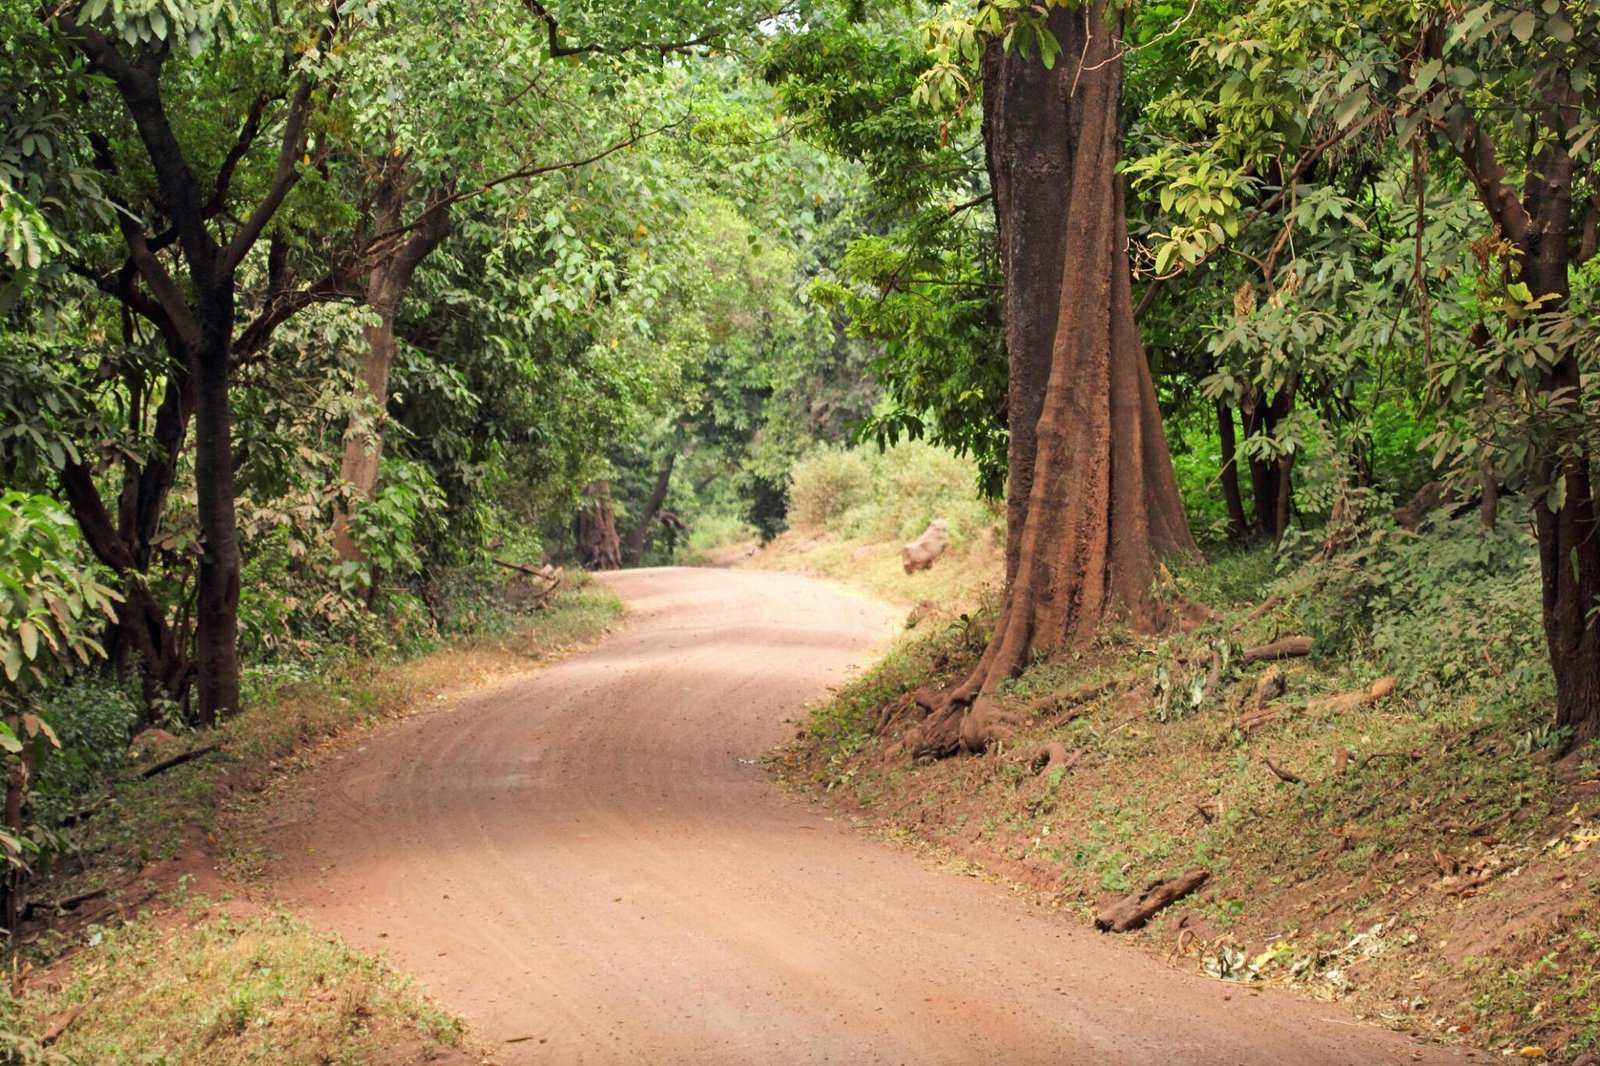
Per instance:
x=53, y=1032
x=1409, y=756
x=1344, y=701
x=81, y=815
x=1287, y=648
x=1139, y=907
x=70, y=903
x=1250, y=722
x=177, y=760
x=1049, y=757
x=1264, y=608
x=1282, y=774
x=1349, y=701
x=1269, y=686
x=1429, y=498
x=543, y=572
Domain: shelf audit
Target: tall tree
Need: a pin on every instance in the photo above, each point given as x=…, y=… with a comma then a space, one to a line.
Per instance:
x=1102, y=501
x=214, y=225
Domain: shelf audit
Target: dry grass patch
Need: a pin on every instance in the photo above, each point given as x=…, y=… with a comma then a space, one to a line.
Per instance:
x=225, y=989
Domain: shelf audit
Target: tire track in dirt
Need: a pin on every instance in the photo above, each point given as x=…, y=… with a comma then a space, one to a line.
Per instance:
x=589, y=865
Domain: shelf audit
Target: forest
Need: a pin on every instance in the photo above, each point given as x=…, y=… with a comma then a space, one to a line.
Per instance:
x=1247, y=350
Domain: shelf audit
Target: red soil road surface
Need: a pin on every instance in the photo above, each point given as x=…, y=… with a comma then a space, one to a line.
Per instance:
x=589, y=865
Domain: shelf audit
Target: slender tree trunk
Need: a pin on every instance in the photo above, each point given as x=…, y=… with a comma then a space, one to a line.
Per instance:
x=1028, y=138
x=1238, y=525
x=639, y=535
x=387, y=280
x=1103, y=503
x=1569, y=539
x=1270, y=485
x=363, y=438
x=217, y=608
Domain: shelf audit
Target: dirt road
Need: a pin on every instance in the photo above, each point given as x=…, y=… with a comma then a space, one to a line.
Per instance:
x=590, y=865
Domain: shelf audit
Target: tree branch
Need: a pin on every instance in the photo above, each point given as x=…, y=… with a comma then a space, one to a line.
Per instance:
x=444, y=202
x=1477, y=153
x=557, y=49
x=140, y=92
x=284, y=176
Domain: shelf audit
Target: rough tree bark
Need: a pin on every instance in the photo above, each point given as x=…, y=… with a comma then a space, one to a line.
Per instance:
x=639, y=535
x=1028, y=145
x=595, y=530
x=392, y=265
x=1103, y=502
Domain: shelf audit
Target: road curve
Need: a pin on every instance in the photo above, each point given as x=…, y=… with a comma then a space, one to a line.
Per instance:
x=589, y=865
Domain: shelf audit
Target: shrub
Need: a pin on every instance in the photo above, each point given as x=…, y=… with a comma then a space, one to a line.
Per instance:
x=826, y=485
x=1452, y=605
x=888, y=494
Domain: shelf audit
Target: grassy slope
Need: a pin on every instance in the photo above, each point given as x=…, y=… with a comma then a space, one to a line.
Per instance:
x=174, y=965
x=1444, y=881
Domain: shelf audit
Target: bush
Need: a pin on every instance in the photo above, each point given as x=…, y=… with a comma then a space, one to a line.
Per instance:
x=93, y=715
x=1451, y=606
x=826, y=485
x=888, y=494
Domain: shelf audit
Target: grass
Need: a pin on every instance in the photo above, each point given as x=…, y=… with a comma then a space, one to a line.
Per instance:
x=229, y=990
x=167, y=977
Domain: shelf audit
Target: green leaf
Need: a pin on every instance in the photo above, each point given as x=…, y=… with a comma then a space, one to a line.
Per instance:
x=1523, y=25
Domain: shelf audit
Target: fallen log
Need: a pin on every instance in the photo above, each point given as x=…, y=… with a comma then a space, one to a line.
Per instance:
x=1349, y=701
x=177, y=760
x=70, y=903
x=1265, y=606
x=1250, y=722
x=59, y=1026
x=1287, y=648
x=1138, y=908
x=543, y=573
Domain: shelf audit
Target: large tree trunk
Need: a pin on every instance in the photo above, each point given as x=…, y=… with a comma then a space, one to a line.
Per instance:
x=639, y=535
x=1028, y=136
x=1103, y=503
x=387, y=279
x=596, y=530
x=217, y=605
x=1228, y=446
